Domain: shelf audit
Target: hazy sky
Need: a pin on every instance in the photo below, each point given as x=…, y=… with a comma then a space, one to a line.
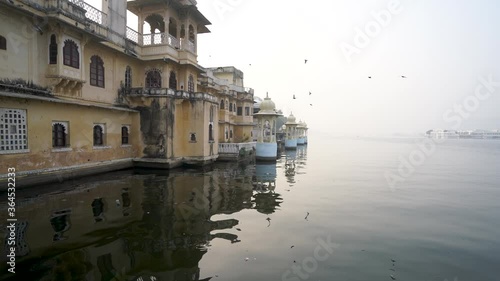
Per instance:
x=442, y=47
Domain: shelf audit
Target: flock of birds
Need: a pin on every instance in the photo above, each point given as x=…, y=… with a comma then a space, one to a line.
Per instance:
x=305, y=62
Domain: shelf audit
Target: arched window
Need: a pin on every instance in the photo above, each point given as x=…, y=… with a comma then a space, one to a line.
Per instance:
x=3, y=43
x=59, y=135
x=124, y=135
x=156, y=28
x=231, y=134
x=98, y=135
x=222, y=104
x=153, y=79
x=191, y=84
x=230, y=107
x=96, y=71
x=70, y=54
x=210, y=132
x=172, y=81
x=191, y=33
x=128, y=77
x=53, y=50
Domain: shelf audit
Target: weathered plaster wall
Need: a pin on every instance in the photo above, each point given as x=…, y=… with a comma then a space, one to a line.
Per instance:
x=156, y=120
x=193, y=117
x=22, y=46
x=41, y=114
x=242, y=133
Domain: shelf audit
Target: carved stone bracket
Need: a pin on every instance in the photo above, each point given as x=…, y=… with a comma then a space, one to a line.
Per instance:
x=66, y=86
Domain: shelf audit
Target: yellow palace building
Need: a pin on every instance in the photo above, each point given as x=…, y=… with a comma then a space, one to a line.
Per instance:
x=82, y=93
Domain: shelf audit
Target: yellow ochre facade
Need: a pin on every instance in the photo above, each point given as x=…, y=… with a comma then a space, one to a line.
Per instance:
x=82, y=93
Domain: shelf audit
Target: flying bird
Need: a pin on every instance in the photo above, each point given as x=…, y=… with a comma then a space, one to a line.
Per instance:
x=311, y=104
x=402, y=76
x=309, y=93
x=305, y=61
x=294, y=96
x=369, y=77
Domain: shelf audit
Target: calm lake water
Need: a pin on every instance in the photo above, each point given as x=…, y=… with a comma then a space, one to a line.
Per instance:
x=324, y=212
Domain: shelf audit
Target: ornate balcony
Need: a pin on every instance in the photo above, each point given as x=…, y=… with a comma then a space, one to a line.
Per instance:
x=149, y=92
x=158, y=39
x=95, y=21
x=91, y=13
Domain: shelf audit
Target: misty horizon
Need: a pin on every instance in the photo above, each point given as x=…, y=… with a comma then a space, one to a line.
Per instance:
x=444, y=49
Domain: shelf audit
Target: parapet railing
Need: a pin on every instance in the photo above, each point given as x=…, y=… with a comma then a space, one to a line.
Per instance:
x=92, y=13
x=234, y=148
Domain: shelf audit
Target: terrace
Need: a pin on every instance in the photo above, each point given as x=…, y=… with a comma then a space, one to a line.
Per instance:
x=164, y=39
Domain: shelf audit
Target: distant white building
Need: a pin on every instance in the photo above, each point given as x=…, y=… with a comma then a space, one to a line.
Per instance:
x=443, y=134
x=495, y=134
x=475, y=134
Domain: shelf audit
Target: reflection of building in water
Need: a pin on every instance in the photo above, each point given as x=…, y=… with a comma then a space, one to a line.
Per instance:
x=165, y=234
x=98, y=209
x=22, y=247
x=126, y=202
x=60, y=223
x=265, y=177
x=265, y=199
x=267, y=202
x=290, y=157
x=301, y=156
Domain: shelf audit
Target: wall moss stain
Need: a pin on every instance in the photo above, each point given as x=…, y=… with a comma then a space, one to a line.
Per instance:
x=170, y=110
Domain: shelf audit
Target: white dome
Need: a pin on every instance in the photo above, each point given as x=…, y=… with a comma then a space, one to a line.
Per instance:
x=300, y=124
x=267, y=107
x=291, y=120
